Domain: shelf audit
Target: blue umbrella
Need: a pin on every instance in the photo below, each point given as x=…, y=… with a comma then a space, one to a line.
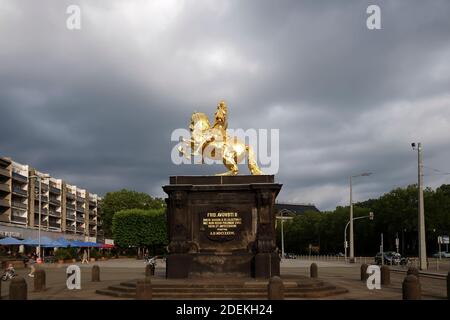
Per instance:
x=56, y=244
x=9, y=241
x=64, y=242
x=92, y=244
x=77, y=243
x=45, y=241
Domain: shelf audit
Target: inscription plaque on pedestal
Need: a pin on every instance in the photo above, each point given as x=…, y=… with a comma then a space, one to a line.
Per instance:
x=222, y=226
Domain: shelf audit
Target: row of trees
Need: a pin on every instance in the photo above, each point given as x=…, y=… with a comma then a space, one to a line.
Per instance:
x=135, y=220
x=395, y=215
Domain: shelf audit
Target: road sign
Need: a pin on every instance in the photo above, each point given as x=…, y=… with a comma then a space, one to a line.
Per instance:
x=445, y=239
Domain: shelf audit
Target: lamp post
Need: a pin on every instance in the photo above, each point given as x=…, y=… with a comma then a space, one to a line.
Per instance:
x=370, y=216
x=281, y=212
x=352, y=246
x=45, y=176
x=422, y=241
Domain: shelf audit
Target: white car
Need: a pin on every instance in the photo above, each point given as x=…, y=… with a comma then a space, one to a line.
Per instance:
x=441, y=254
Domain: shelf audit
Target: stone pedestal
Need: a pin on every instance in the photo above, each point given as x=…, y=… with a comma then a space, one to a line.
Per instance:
x=222, y=226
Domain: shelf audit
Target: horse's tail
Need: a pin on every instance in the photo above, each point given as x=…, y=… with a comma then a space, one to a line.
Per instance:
x=252, y=164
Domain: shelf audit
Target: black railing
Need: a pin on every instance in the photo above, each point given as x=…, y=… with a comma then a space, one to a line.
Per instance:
x=55, y=214
x=18, y=219
x=55, y=201
x=43, y=210
x=19, y=177
x=70, y=196
x=20, y=191
x=19, y=205
x=55, y=190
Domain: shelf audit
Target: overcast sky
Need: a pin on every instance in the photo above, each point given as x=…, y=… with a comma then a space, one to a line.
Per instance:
x=96, y=106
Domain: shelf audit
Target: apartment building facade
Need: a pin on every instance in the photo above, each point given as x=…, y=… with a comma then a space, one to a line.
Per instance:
x=31, y=200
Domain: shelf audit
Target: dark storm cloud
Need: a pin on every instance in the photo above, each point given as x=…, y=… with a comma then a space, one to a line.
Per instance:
x=97, y=106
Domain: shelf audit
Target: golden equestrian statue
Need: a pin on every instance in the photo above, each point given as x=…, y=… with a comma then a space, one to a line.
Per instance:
x=214, y=143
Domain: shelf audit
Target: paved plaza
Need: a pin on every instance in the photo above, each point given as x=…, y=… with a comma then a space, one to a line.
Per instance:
x=120, y=270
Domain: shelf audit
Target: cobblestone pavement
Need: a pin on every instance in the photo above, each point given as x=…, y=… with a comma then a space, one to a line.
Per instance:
x=116, y=271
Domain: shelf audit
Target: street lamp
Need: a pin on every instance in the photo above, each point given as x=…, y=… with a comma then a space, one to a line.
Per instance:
x=370, y=216
x=282, y=231
x=352, y=253
x=45, y=176
x=422, y=241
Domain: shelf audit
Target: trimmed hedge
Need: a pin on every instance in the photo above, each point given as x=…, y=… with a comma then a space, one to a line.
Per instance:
x=140, y=228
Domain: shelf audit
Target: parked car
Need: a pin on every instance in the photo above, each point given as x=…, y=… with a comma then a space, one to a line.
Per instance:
x=340, y=254
x=441, y=254
x=391, y=257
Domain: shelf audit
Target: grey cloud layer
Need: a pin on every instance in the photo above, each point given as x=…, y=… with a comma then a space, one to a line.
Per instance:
x=97, y=106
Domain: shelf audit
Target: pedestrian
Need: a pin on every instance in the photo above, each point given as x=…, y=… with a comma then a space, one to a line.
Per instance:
x=31, y=263
x=85, y=257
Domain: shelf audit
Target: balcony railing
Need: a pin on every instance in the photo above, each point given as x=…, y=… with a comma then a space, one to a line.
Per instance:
x=80, y=199
x=55, y=214
x=92, y=222
x=55, y=201
x=20, y=191
x=70, y=206
x=43, y=210
x=19, y=177
x=70, y=228
x=55, y=190
x=80, y=219
x=19, y=205
x=80, y=229
x=18, y=219
x=70, y=217
x=80, y=209
x=70, y=196
x=54, y=224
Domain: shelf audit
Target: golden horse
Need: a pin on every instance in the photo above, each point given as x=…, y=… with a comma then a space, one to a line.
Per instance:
x=214, y=143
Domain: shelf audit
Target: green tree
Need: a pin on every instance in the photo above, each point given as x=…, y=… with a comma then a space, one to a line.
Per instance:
x=140, y=228
x=123, y=200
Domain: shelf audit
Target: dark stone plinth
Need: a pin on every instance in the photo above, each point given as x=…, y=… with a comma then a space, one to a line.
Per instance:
x=222, y=225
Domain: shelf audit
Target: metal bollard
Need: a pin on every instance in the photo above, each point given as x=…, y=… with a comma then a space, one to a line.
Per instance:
x=364, y=275
x=39, y=280
x=385, y=275
x=144, y=289
x=275, y=289
x=411, y=288
x=18, y=289
x=313, y=270
x=95, y=273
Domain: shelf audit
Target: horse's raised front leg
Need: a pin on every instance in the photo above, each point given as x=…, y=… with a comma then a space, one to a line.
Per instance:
x=230, y=163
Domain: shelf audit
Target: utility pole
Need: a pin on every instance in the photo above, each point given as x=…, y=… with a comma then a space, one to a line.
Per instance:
x=423, y=248
x=422, y=243
x=352, y=247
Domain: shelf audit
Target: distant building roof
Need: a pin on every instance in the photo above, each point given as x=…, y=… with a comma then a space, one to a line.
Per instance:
x=297, y=208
